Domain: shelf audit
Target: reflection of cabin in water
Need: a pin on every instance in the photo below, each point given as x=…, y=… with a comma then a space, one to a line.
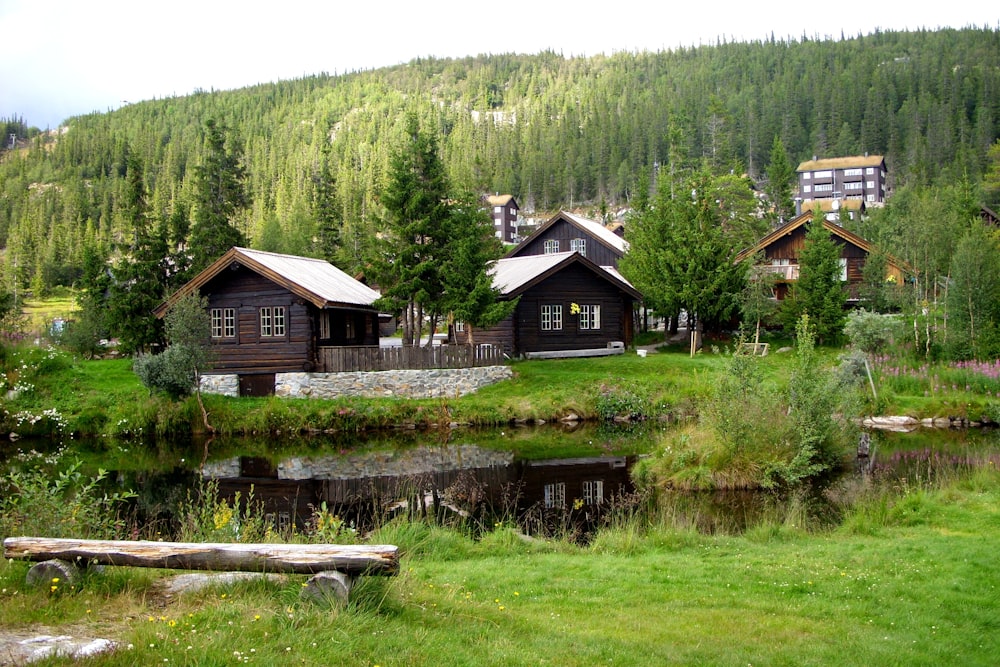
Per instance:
x=473, y=481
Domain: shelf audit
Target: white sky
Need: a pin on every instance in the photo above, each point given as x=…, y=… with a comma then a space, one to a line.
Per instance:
x=60, y=58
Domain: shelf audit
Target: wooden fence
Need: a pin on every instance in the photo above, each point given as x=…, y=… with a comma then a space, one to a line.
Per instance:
x=346, y=359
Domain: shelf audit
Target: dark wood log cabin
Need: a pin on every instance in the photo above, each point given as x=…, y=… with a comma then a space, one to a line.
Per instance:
x=782, y=248
x=273, y=313
x=566, y=231
x=566, y=302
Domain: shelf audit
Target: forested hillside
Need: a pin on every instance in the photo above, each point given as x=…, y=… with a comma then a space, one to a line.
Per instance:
x=556, y=132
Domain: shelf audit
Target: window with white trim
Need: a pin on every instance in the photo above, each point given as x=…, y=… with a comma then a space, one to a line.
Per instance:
x=550, y=246
x=555, y=495
x=853, y=185
x=578, y=245
x=826, y=173
x=593, y=492
x=852, y=172
x=498, y=209
x=223, y=322
x=590, y=317
x=551, y=317
x=870, y=197
x=824, y=188
x=806, y=188
x=870, y=184
x=272, y=321
x=806, y=176
x=870, y=170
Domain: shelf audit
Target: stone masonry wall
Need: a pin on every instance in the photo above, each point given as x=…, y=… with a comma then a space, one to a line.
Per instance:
x=437, y=383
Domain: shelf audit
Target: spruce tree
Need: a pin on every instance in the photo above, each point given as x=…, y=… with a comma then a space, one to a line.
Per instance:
x=408, y=263
x=819, y=291
x=780, y=179
x=220, y=196
x=138, y=276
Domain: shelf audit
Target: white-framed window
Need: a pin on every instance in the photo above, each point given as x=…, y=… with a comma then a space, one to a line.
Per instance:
x=870, y=197
x=272, y=321
x=853, y=185
x=843, y=269
x=551, y=319
x=223, y=322
x=826, y=173
x=579, y=245
x=806, y=175
x=459, y=326
x=498, y=209
x=806, y=188
x=870, y=170
x=590, y=316
x=512, y=211
x=555, y=495
x=825, y=188
x=593, y=492
x=870, y=184
x=852, y=172
x=550, y=246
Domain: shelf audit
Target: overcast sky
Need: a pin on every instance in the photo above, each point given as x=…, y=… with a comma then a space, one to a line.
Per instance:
x=60, y=58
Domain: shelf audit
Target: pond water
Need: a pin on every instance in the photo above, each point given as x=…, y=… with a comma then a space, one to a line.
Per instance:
x=546, y=478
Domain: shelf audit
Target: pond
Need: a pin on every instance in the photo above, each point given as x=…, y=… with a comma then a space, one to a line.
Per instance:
x=551, y=479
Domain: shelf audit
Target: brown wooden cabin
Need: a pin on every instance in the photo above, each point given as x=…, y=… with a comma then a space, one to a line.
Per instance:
x=567, y=232
x=275, y=313
x=783, y=246
x=550, y=288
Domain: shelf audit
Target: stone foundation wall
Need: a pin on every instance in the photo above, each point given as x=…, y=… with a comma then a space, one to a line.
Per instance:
x=435, y=383
x=227, y=385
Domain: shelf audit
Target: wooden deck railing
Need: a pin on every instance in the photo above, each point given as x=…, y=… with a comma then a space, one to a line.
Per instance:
x=346, y=359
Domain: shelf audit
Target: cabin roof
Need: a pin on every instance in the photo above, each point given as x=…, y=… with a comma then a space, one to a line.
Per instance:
x=833, y=228
x=513, y=275
x=842, y=162
x=830, y=205
x=592, y=227
x=500, y=200
x=314, y=280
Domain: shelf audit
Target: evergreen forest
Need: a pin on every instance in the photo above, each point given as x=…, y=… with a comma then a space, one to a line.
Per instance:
x=591, y=134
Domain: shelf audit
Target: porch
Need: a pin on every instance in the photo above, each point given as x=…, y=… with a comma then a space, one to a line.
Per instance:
x=345, y=359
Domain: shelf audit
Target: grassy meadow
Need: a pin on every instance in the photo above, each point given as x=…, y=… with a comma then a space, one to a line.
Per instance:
x=907, y=578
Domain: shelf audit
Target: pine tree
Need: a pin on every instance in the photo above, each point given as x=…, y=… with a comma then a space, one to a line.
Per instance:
x=220, y=195
x=408, y=264
x=469, y=294
x=819, y=291
x=138, y=277
x=780, y=179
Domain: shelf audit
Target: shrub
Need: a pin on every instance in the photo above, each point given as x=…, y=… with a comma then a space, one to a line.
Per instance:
x=39, y=501
x=171, y=372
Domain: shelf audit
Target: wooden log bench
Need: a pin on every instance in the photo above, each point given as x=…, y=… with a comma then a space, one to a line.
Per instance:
x=334, y=567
